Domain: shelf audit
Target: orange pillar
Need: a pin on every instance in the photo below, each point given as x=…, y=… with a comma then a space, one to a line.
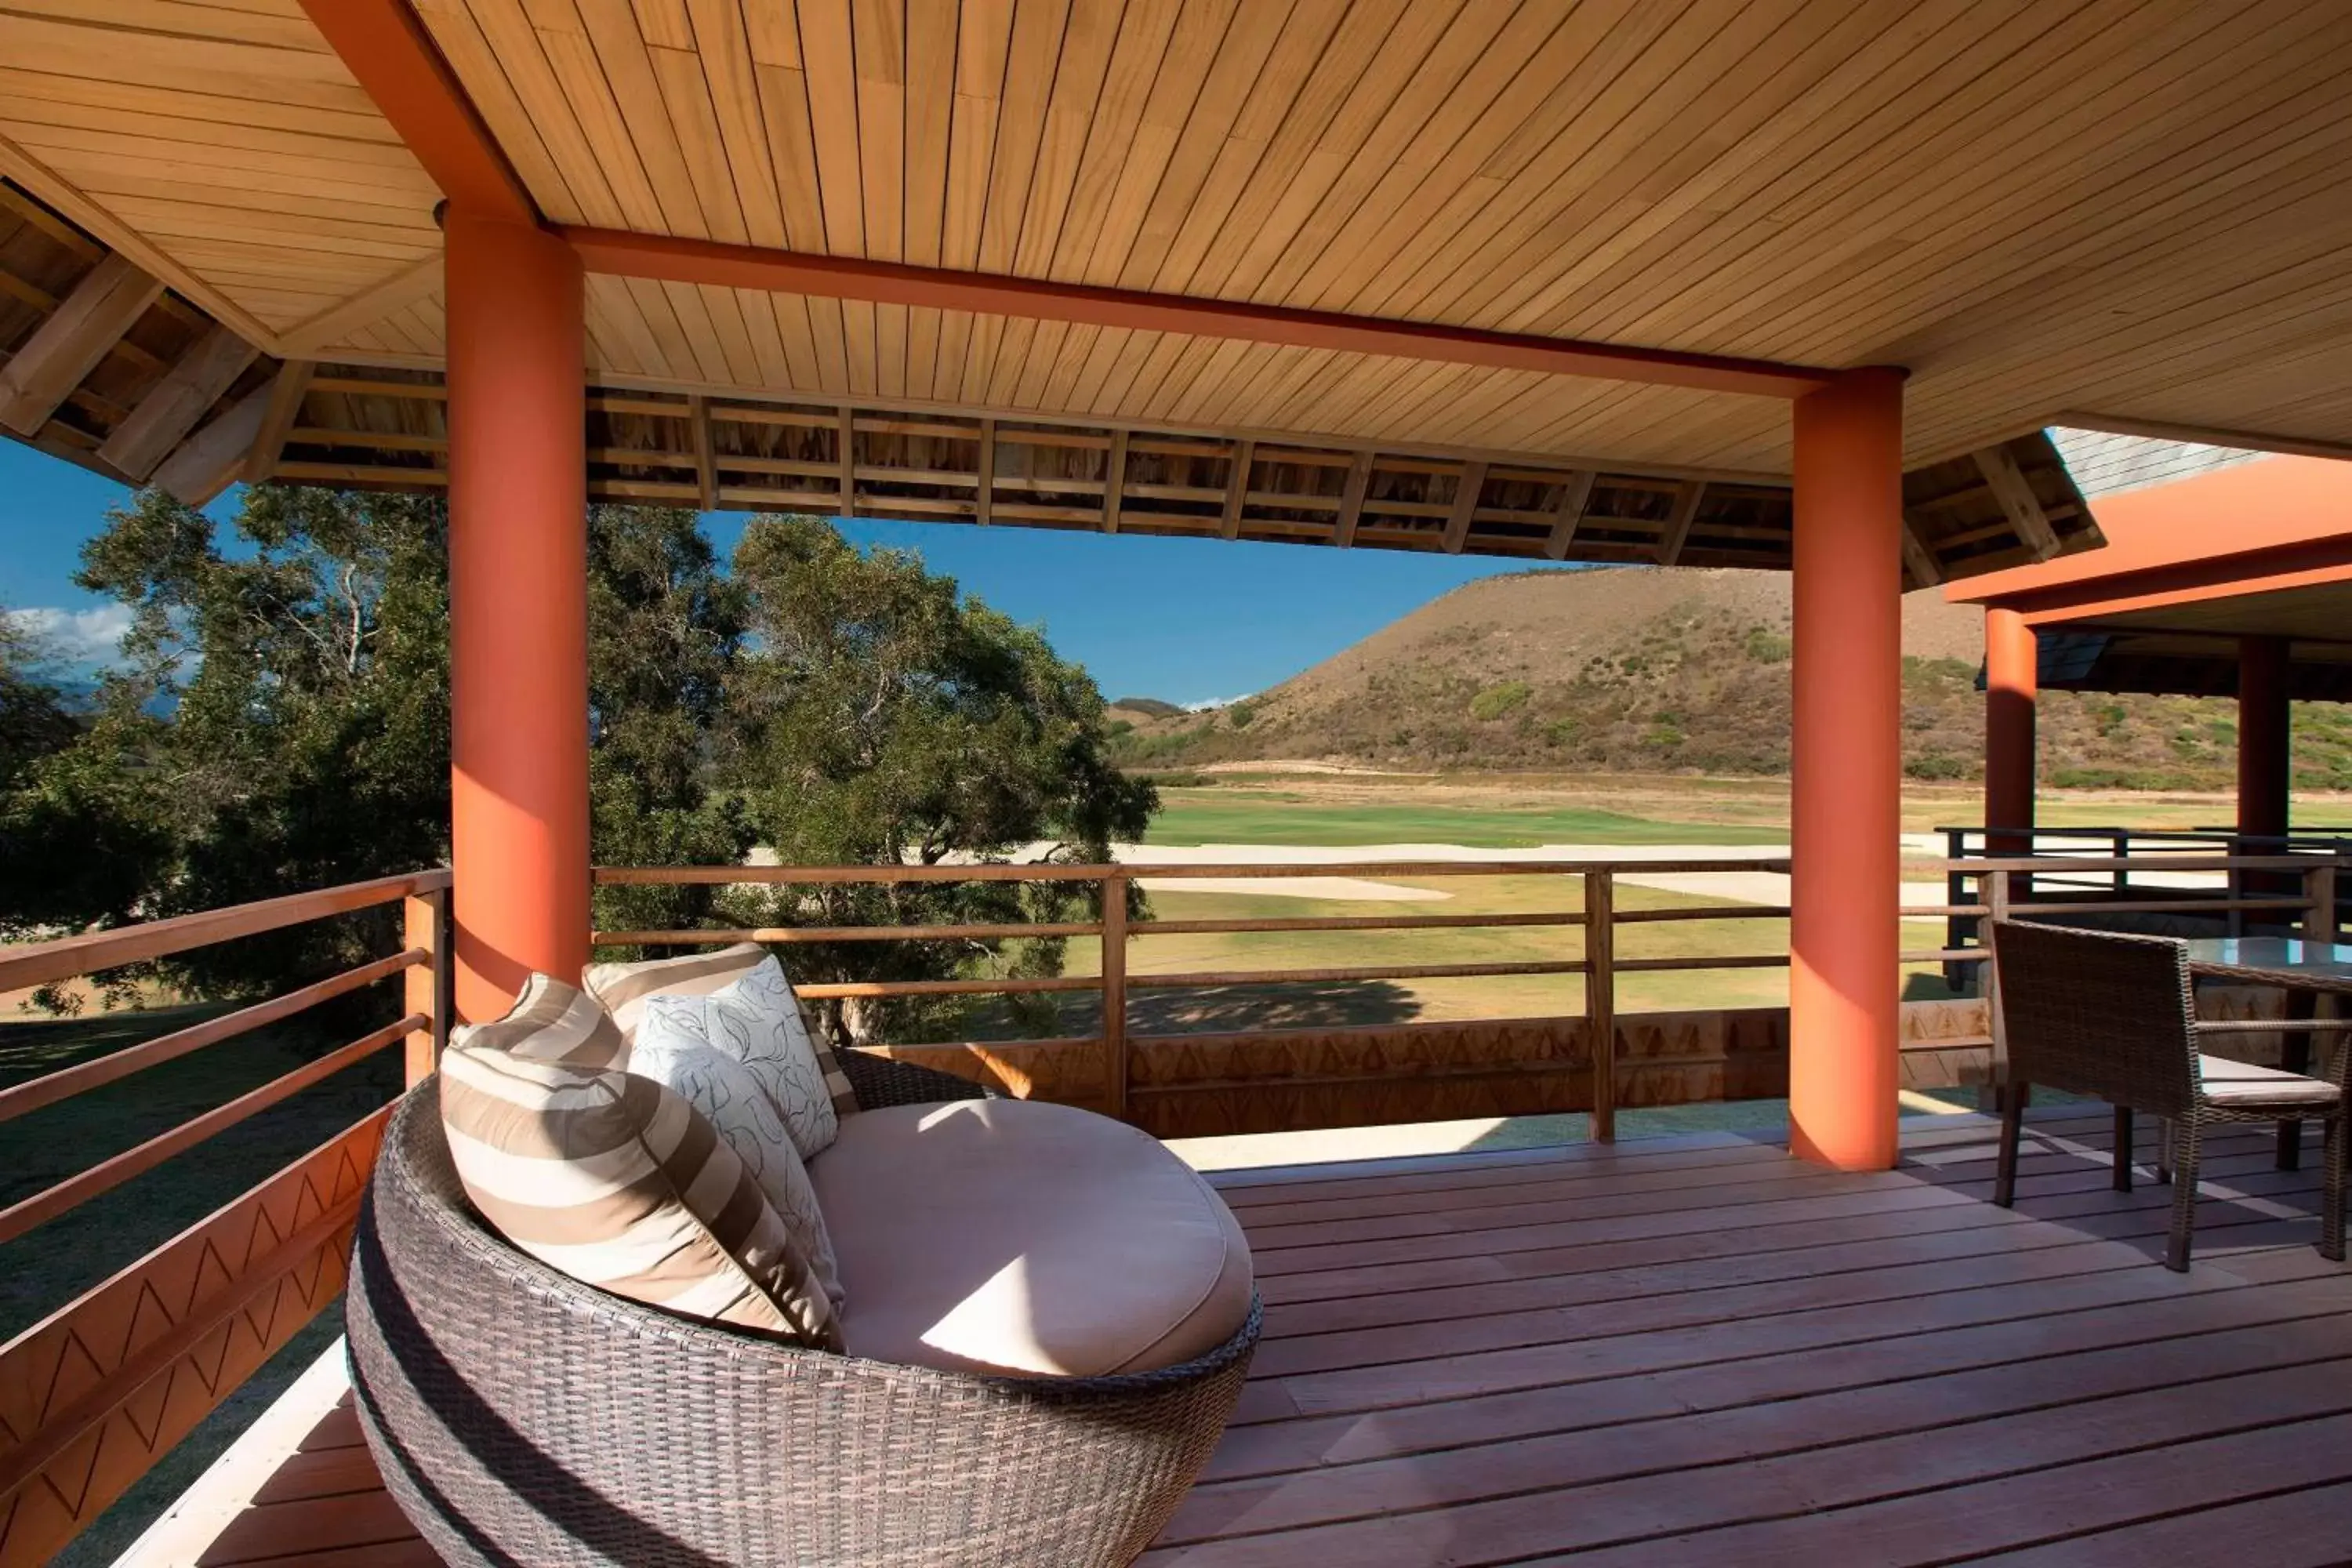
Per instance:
x=517, y=609
x=2013, y=672
x=2262, y=740
x=1842, y=929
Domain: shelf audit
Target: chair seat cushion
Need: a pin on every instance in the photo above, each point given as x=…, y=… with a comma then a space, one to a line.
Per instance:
x=1013, y=1236
x=2242, y=1083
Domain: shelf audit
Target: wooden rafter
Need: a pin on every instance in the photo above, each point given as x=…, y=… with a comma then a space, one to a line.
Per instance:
x=1467, y=487
x=1568, y=512
x=104, y=305
x=66, y=197
x=666, y=259
x=172, y=408
x=706, y=465
x=1351, y=500
x=1115, y=481
x=985, y=475
x=848, y=457
x=1919, y=562
x=2015, y=492
x=1676, y=532
x=279, y=417
x=387, y=49
x=364, y=308
x=207, y=462
x=1237, y=489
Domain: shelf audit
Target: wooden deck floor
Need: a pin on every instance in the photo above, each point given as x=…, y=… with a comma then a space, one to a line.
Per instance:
x=1694, y=1350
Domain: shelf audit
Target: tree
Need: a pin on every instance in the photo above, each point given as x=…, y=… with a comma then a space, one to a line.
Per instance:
x=665, y=636
x=890, y=719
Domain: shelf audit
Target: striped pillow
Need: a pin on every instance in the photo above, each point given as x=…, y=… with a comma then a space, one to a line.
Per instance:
x=551, y=1021
x=624, y=989
x=620, y=1184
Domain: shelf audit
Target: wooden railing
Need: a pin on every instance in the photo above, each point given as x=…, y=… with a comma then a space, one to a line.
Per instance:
x=98, y=1391
x=1116, y=1049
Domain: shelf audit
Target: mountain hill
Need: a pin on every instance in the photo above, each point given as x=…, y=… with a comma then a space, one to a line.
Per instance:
x=1622, y=669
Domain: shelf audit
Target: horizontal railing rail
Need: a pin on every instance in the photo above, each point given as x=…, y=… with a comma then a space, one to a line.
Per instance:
x=1598, y=966
x=154, y=1349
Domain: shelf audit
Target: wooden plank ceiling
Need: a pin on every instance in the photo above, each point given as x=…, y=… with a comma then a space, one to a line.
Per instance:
x=2137, y=209
x=102, y=366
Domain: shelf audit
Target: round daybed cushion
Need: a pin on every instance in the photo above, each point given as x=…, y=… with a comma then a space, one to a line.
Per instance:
x=1015, y=1236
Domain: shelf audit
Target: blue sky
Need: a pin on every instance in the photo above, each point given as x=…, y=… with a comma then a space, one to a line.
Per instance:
x=1186, y=620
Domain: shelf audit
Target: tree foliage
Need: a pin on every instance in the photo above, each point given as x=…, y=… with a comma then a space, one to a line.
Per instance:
x=280, y=722
x=888, y=720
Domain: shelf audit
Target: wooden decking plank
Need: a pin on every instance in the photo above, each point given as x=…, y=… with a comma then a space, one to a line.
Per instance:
x=1437, y=1184
x=1866, y=1197
x=1767, y=1183
x=1240, y=1184
x=2306, y=1527
x=1308, y=1442
x=2031, y=1507
x=1590, y=1322
x=324, y=1472
x=2045, y=1184
x=312, y=1524
x=410, y=1553
x=1699, y=1168
x=338, y=1428
x=1424, y=1293
x=1365, y=1389
x=1846, y=1477
x=1675, y=1441
x=2084, y=1202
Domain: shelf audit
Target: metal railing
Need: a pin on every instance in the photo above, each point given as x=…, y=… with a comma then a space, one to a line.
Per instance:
x=1597, y=917
x=112, y=1379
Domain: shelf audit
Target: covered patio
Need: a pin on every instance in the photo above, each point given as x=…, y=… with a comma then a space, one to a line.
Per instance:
x=1691, y=1350
x=1792, y=286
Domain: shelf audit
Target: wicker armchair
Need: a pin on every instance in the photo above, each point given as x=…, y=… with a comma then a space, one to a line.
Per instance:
x=2115, y=1018
x=518, y=1417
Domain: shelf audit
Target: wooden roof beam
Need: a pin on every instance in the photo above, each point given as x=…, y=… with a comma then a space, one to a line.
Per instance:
x=104, y=305
x=1244, y=459
x=669, y=260
x=2015, y=492
x=1676, y=531
x=1467, y=486
x=984, y=478
x=1351, y=500
x=1568, y=512
x=1115, y=481
x=207, y=462
x=1925, y=569
x=706, y=462
x=387, y=49
x=171, y=409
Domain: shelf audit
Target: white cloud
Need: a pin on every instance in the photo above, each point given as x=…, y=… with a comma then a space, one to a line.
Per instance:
x=77, y=637
x=1216, y=702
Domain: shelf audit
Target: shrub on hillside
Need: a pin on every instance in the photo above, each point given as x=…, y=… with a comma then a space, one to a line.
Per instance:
x=1496, y=701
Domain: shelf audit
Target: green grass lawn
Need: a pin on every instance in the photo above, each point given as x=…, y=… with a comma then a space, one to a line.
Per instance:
x=1260, y=816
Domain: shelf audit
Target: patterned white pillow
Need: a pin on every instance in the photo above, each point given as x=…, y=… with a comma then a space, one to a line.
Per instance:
x=750, y=1123
x=756, y=1020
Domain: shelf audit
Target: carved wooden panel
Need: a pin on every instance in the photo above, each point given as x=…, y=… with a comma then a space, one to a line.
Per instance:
x=92, y=1396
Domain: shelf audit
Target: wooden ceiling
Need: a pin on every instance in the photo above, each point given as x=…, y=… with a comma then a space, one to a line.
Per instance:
x=2132, y=210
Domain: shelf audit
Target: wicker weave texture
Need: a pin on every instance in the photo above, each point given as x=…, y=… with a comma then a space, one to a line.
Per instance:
x=518, y=1417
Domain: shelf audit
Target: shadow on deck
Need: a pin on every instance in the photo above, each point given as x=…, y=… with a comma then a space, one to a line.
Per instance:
x=1694, y=1350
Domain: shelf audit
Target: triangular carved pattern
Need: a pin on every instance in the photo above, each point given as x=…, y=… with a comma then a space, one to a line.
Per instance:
x=59, y=1362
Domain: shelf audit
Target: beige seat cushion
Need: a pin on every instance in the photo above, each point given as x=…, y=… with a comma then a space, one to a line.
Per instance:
x=1018, y=1237
x=2235, y=1083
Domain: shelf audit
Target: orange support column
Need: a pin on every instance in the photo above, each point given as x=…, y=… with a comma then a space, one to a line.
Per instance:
x=2264, y=726
x=1844, y=903
x=2012, y=676
x=517, y=609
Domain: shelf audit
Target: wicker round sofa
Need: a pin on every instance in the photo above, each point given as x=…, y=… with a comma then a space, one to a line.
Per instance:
x=518, y=1417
